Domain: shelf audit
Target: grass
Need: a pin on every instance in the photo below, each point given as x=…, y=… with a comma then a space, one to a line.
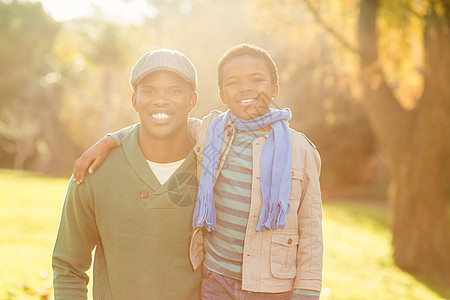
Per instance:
x=358, y=260
x=357, y=252
x=29, y=214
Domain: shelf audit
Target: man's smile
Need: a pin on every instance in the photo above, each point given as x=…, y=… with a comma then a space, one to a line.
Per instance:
x=161, y=115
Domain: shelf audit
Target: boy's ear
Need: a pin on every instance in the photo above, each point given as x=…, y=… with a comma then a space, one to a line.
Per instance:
x=222, y=98
x=134, y=101
x=275, y=90
x=193, y=101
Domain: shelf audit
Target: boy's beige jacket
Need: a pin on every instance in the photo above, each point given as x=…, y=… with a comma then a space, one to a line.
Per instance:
x=283, y=259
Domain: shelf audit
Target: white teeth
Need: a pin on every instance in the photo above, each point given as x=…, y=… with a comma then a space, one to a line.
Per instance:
x=160, y=116
x=247, y=100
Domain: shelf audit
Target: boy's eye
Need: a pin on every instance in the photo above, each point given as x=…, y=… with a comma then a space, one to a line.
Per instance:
x=174, y=91
x=148, y=91
x=258, y=79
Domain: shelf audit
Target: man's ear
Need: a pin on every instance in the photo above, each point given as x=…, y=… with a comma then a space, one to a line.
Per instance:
x=222, y=98
x=134, y=101
x=193, y=101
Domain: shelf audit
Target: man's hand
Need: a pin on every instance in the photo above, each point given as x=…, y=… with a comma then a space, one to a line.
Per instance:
x=92, y=158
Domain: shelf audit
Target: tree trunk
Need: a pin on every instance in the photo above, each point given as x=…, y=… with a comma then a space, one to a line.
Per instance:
x=416, y=148
x=106, y=93
x=19, y=161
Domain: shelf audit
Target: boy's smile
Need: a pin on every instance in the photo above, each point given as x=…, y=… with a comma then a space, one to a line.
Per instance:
x=247, y=87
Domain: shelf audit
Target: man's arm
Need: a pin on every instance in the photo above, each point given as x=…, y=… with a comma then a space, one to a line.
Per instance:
x=310, y=250
x=77, y=236
x=93, y=157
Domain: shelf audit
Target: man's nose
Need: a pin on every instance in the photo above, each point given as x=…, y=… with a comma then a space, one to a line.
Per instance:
x=160, y=100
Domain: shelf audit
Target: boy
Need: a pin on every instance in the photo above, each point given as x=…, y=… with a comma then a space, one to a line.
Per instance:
x=127, y=210
x=258, y=213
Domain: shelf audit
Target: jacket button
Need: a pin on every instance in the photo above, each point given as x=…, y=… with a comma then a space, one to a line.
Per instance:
x=289, y=241
x=144, y=194
x=229, y=133
x=198, y=149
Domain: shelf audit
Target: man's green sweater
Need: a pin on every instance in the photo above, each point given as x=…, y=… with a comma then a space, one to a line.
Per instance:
x=140, y=231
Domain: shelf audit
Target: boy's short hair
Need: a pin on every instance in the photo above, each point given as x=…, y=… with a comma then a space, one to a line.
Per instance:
x=242, y=50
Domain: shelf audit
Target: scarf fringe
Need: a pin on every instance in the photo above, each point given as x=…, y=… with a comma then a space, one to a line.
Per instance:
x=275, y=217
x=203, y=215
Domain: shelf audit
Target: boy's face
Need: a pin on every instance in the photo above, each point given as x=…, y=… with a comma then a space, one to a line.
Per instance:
x=247, y=87
x=163, y=101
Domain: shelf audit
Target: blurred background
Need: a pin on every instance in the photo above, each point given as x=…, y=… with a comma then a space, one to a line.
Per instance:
x=367, y=81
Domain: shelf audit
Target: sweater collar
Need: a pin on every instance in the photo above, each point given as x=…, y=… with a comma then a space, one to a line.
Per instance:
x=136, y=159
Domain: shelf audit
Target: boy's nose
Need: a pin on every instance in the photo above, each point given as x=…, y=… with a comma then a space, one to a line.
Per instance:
x=245, y=86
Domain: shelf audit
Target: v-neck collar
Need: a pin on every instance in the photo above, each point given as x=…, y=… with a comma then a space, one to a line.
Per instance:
x=138, y=162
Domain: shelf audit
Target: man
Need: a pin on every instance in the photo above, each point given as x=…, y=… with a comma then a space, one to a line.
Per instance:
x=137, y=208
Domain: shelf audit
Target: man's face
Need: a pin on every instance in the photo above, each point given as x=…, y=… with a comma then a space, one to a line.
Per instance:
x=247, y=87
x=163, y=101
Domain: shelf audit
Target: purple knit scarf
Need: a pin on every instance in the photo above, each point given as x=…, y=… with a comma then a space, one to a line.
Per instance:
x=276, y=168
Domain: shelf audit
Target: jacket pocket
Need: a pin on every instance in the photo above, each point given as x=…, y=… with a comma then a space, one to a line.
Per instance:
x=283, y=255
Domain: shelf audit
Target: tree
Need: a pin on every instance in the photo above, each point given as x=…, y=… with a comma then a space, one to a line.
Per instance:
x=414, y=140
x=26, y=38
x=108, y=52
x=20, y=131
x=415, y=143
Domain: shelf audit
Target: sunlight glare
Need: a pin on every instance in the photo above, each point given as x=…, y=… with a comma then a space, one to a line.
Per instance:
x=43, y=274
x=129, y=12
x=326, y=292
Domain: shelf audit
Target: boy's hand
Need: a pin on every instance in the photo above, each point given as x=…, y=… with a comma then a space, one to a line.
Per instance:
x=92, y=158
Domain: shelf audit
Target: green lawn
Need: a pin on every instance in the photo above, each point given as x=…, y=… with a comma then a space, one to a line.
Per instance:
x=357, y=256
x=29, y=214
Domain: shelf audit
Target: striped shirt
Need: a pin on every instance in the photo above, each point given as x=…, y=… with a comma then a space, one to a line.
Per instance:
x=224, y=246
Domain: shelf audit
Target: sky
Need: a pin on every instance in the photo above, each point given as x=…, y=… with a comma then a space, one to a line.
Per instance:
x=64, y=10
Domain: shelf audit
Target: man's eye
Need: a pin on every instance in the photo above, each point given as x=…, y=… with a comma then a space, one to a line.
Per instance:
x=174, y=91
